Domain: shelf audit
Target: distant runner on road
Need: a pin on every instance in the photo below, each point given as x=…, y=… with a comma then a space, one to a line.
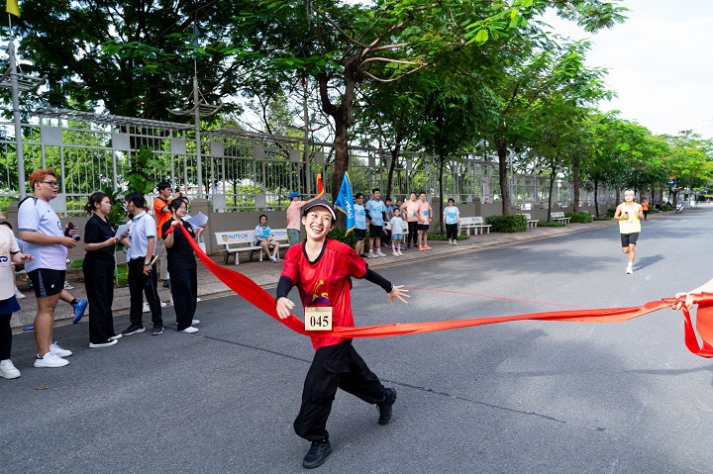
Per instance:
x=629, y=215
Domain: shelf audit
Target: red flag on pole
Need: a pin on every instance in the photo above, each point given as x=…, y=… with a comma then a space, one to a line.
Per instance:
x=320, y=184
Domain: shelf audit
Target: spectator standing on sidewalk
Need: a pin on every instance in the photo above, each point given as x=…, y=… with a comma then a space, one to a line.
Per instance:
x=375, y=213
x=98, y=267
x=294, y=211
x=359, y=224
x=9, y=254
x=163, y=215
x=322, y=269
x=18, y=294
x=142, y=270
x=397, y=232
x=42, y=232
x=425, y=216
x=410, y=210
x=182, y=266
x=451, y=216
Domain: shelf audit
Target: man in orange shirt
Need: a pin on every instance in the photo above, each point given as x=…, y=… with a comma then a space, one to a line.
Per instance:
x=162, y=214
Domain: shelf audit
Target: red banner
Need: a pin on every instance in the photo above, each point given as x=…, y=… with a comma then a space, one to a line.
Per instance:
x=261, y=299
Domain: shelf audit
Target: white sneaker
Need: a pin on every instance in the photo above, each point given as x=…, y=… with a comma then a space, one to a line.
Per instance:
x=399, y=252
x=195, y=322
x=198, y=300
x=190, y=330
x=163, y=305
x=67, y=286
x=455, y=242
x=20, y=296
x=372, y=255
x=8, y=370
x=146, y=308
x=50, y=360
x=58, y=351
x=380, y=253
x=395, y=253
x=108, y=343
x=629, y=270
x=116, y=336
x=273, y=258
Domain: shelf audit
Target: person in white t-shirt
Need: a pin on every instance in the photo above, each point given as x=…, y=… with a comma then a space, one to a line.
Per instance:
x=451, y=216
x=397, y=231
x=43, y=234
x=9, y=254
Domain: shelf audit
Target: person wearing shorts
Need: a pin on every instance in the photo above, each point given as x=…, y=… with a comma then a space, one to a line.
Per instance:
x=375, y=212
x=43, y=234
x=425, y=216
x=359, y=224
x=629, y=215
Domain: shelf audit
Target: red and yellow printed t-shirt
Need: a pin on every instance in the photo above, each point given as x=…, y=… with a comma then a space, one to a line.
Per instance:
x=161, y=217
x=326, y=282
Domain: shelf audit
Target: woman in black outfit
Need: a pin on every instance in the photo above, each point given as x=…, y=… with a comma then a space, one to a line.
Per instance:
x=98, y=267
x=182, y=267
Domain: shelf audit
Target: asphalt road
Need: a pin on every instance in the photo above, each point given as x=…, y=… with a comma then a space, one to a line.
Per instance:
x=526, y=397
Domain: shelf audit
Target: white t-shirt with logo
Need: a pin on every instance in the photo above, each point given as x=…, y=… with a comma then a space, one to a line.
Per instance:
x=8, y=246
x=36, y=215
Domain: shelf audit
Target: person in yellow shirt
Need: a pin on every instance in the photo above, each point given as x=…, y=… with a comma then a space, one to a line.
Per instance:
x=629, y=215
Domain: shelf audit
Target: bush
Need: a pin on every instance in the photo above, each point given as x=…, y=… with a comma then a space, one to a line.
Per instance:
x=510, y=223
x=550, y=224
x=444, y=237
x=610, y=212
x=581, y=217
x=338, y=234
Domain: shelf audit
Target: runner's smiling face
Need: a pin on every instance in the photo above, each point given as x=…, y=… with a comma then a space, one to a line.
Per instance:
x=318, y=223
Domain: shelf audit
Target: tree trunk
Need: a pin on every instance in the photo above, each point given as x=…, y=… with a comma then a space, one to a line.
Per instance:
x=394, y=156
x=503, y=174
x=441, y=164
x=575, y=176
x=552, y=185
x=596, y=198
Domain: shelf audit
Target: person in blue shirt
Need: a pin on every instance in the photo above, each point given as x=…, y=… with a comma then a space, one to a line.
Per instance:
x=359, y=224
x=451, y=216
x=375, y=211
x=263, y=238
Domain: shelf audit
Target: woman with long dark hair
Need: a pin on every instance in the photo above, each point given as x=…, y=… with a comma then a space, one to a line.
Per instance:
x=98, y=267
x=182, y=266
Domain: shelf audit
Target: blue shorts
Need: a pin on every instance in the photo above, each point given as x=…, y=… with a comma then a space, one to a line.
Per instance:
x=396, y=237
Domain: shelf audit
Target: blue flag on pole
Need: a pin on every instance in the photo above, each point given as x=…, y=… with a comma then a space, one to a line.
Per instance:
x=345, y=203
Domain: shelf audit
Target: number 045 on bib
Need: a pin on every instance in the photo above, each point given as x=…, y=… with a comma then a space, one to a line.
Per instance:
x=318, y=318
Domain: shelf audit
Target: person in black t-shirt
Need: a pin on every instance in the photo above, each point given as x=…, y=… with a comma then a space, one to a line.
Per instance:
x=98, y=267
x=182, y=267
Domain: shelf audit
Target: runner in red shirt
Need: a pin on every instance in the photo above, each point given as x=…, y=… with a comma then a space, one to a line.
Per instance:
x=321, y=269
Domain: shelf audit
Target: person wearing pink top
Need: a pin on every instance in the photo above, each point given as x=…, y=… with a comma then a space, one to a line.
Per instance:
x=294, y=216
x=425, y=216
x=410, y=211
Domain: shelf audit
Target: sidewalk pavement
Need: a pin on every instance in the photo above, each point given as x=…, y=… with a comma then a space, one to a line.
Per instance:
x=267, y=273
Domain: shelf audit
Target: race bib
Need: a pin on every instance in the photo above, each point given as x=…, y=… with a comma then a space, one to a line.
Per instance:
x=318, y=318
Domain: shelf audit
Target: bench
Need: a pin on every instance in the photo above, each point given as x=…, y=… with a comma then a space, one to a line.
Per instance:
x=234, y=242
x=531, y=223
x=559, y=217
x=476, y=224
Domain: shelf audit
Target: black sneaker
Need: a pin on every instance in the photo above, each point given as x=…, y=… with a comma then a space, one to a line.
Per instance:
x=133, y=329
x=317, y=454
x=157, y=330
x=165, y=284
x=385, y=406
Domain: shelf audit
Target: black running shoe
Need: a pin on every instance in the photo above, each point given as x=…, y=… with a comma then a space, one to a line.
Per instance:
x=317, y=454
x=385, y=406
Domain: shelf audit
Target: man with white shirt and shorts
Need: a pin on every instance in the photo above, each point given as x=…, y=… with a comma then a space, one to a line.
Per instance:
x=43, y=234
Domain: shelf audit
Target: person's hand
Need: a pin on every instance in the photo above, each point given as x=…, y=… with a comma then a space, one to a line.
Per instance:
x=398, y=292
x=68, y=242
x=124, y=235
x=284, y=307
x=688, y=302
x=27, y=258
x=147, y=268
x=175, y=223
x=72, y=231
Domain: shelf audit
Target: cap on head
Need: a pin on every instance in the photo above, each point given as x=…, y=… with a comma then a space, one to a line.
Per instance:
x=323, y=203
x=294, y=195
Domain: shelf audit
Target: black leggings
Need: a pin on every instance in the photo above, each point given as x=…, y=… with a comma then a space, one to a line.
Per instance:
x=452, y=231
x=412, y=234
x=5, y=336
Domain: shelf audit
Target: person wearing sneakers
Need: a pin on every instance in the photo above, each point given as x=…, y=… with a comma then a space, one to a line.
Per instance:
x=182, y=266
x=629, y=215
x=42, y=232
x=98, y=268
x=359, y=224
x=451, y=216
x=142, y=268
x=397, y=231
x=322, y=269
x=410, y=210
x=163, y=215
x=425, y=216
x=9, y=254
x=294, y=211
x=264, y=239
x=375, y=213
